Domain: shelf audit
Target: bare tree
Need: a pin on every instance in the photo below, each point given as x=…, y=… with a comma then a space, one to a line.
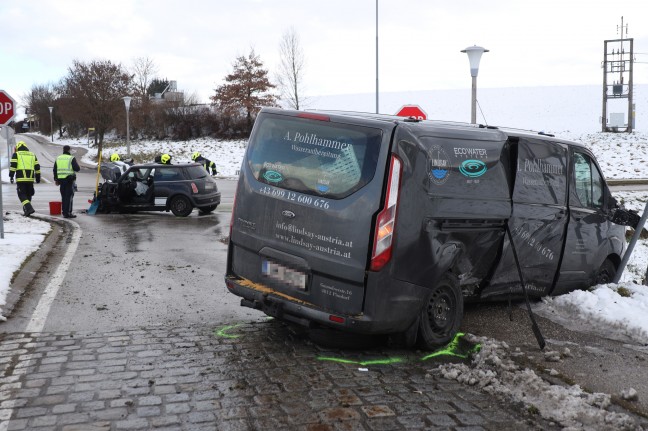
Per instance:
x=291, y=69
x=38, y=101
x=144, y=72
x=95, y=91
x=246, y=89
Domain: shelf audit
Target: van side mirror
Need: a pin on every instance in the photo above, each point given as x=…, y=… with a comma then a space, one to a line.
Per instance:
x=625, y=217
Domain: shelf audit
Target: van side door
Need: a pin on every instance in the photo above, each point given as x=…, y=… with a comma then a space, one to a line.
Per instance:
x=587, y=243
x=538, y=220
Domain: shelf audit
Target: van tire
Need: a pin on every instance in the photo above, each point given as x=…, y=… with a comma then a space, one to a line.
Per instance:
x=180, y=206
x=606, y=273
x=442, y=314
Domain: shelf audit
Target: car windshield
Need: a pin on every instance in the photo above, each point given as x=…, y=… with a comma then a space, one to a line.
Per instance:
x=314, y=157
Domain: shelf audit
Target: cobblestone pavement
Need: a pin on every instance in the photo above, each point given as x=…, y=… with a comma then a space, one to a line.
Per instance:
x=253, y=376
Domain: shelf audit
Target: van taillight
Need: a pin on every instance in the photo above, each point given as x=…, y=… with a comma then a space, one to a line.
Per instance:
x=386, y=220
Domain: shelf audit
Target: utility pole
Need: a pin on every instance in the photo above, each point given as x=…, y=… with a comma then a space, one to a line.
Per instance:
x=618, y=65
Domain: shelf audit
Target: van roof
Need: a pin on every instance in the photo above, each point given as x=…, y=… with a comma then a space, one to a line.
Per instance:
x=448, y=125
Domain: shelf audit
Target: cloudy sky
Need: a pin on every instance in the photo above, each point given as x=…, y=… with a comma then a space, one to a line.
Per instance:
x=531, y=43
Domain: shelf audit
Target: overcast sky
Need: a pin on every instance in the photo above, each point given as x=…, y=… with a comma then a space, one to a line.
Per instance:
x=194, y=42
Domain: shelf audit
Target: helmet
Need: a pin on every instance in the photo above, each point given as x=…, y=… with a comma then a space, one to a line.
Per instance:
x=165, y=159
x=21, y=144
x=195, y=155
x=114, y=157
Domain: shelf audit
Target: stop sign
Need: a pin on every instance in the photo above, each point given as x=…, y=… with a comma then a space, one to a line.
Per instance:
x=7, y=105
x=412, y=111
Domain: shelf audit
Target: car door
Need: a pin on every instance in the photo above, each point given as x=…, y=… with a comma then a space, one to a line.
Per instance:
x=166, y=180
x=586, y=246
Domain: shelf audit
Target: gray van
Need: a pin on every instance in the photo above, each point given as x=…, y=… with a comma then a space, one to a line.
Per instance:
x=379, y=224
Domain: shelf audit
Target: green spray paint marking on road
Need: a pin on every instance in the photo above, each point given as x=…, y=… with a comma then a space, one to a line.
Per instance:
x=387, y=361
x=452, y=349
x=222, y=332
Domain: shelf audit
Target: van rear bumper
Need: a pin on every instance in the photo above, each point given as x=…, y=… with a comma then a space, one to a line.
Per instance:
x=396, y=317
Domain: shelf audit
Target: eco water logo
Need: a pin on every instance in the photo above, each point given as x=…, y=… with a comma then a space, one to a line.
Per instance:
x=273, y=176
x=439, y=165
x=472, y=168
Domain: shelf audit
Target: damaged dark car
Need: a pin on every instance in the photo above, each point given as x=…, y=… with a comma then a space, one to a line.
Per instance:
x=158, y=187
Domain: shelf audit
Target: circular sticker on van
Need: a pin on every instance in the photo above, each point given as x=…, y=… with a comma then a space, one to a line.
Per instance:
x=439, y=163
x=273, y=176
x=472, y=168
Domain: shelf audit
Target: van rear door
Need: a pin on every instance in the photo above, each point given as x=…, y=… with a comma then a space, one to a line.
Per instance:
x=309, y=189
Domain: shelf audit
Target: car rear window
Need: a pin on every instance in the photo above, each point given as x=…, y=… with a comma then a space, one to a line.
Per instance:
x=196, y=172
x=314, y=157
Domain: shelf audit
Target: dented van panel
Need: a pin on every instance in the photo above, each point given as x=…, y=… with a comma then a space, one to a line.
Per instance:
x=379, y=224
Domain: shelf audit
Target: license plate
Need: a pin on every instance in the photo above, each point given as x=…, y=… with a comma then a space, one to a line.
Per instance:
x=291, y=277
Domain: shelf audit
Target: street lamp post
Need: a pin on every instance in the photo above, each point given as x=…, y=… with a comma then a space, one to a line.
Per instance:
x=51, y=123
x=127, y=101
x=474, y=55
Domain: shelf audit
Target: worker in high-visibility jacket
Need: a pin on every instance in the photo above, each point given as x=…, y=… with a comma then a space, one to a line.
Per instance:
x=25, y=168
x=65, y=169
x=207, y=164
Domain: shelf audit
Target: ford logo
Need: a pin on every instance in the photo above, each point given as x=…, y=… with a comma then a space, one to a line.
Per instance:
x=288, y=214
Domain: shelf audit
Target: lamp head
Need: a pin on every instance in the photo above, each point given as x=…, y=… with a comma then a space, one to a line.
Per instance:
x=474, y=55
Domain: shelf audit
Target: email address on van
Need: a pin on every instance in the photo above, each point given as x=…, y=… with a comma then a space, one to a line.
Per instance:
x=310, y=246
x=288, y=227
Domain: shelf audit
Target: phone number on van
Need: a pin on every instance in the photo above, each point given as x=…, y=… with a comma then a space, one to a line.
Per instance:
x=295, y=197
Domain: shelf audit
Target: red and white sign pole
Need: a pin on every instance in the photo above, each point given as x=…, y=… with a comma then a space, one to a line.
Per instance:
x=7, y=112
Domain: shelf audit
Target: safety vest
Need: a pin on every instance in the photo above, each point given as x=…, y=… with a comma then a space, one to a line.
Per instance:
x=25, y=163
x=64, y=166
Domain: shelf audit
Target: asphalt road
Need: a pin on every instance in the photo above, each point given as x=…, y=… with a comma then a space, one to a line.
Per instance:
x=133, y=269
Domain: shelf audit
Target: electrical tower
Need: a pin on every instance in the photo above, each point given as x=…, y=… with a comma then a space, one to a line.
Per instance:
x=618, y=62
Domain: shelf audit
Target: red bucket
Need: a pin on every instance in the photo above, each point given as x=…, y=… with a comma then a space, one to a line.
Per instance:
x=55, y=208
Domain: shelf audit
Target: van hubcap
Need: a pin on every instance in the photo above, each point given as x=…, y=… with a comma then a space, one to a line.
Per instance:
x=439, y=309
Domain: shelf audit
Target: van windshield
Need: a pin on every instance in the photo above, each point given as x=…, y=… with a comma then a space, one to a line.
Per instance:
x=314, y=157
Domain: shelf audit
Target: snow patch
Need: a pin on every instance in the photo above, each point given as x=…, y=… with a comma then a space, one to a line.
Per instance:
x=494, y=372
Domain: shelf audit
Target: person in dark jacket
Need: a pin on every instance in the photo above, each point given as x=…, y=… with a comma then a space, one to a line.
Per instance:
x=25, y=168
x=65, y=176
x=207, y=164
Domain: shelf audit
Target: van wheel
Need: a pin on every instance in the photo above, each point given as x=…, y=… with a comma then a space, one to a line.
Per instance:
x=606, y=273
x=442, y=314
x=180, y=206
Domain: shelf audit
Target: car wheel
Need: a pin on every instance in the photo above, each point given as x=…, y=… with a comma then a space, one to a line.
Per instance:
x=180, y=206
x=441, y=315
x=606, y=273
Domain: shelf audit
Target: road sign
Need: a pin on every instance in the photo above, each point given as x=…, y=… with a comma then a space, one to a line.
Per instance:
x=412, y=111
x=7, y=105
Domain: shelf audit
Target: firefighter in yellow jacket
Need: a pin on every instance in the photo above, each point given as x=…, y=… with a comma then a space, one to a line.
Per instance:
x=65, y=169
x=25, y=169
